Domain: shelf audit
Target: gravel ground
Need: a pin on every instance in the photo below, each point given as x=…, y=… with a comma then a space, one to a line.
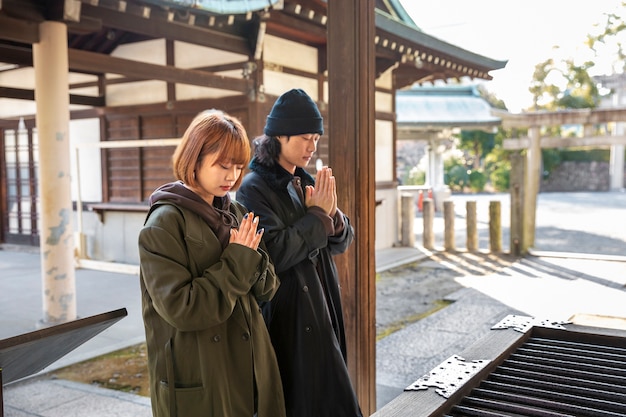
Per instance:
x=413, y=291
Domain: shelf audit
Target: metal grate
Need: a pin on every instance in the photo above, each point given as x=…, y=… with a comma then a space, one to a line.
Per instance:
x=547, y=376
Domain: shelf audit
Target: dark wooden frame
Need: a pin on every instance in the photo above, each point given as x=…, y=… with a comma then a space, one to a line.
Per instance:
x=26, y=354
x=496, y=347
x=32, y=237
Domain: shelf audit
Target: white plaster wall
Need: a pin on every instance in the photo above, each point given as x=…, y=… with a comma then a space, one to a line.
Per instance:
x=114, y=237
x=384, y=101
x=386, y=212
x=283, y=52
x=92, y=91
x=86, y=159
x=384, y=151
x=276, y=83
x=278, y=53
x=24, y=78
x=194, y=56
x=386, y=218
x=17, y=78
x=187, y=55
x=143, y=92
x=147, y=52
x=192, y=92
x=10, y=108
x=385, y=80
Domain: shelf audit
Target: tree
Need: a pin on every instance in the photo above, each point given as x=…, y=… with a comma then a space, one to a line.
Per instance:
x=569, y=84
x=478, y=144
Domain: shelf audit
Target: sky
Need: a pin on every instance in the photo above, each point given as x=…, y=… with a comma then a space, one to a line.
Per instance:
x=522, y=32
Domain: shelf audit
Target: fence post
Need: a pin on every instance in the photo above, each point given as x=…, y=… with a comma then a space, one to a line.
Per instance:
x=517, y=201
x=429, y=215
x=495, y=227
x=448, y=217
x=472, y=228
x=408, y=214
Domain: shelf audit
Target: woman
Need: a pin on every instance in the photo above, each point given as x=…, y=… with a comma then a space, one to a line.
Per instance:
x=203, y=276
x=303, y=229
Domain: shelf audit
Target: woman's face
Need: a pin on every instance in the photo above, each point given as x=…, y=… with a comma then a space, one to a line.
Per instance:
x=215, y=179
x=296, y=151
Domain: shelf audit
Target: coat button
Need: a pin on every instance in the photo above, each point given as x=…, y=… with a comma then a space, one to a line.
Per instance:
x=305, y=288
x=245, y=336
x=216, y=338
x=307, y=329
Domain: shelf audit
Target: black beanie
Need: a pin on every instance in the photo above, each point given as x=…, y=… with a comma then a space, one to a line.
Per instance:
x=294, y=113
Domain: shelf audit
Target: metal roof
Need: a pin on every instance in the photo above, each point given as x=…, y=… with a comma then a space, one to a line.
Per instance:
x=449, y=106
x=220, y=6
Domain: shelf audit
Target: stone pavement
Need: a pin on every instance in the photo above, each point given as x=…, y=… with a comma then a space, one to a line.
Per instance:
x=558, y=286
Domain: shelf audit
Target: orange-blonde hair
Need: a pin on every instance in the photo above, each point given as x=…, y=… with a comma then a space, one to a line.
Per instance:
x=211, y=132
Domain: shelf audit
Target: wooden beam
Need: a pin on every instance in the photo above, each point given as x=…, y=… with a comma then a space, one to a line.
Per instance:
x=31, y=10
x=19, y=55
x=24, y=94
x=300, y=30
x=351, y=77
x=157, y=27
x=551, y=142
x=99, y=63
x=558, y=118
x=17, y=30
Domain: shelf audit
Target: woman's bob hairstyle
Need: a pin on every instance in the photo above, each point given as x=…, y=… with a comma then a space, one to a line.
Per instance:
x=211, y=132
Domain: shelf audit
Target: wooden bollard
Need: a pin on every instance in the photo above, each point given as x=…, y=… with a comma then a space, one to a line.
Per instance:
x=408, y=214
x=472, y=227
x=448, y=222
x=428, y=217
x=495, y=227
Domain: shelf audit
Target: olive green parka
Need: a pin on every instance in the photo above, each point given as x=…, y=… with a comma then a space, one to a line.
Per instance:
x=208, y=346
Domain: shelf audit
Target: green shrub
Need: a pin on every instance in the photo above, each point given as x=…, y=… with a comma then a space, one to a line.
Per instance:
x=457, y=178
x=477, y=180
x=500, y=177
x=587, y=155
x=416, y=176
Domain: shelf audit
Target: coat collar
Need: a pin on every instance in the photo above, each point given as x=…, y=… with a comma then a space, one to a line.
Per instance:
x=278, y=177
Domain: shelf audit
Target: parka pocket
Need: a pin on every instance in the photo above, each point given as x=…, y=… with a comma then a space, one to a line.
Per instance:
x=182, y=401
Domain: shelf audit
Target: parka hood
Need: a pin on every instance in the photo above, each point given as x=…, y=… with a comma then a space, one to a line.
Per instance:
x=217, y=216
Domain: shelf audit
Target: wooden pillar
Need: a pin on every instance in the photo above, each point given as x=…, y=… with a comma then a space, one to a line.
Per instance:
x=495, y=227
x=408, y=219
x=516, y=186
x=531, y=186
x=449, y=243
x=472, y=226
x=351, y=75
x=429, y=220
x=616, y=155
x=50, y=59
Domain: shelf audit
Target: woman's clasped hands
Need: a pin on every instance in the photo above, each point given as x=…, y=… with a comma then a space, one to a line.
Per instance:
x=247, y=233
